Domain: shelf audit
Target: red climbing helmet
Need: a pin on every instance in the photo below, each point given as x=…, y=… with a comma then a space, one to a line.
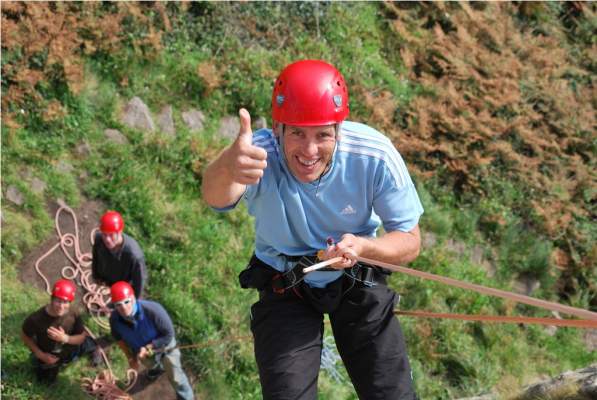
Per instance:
x=121, y=290
x=64, y=289
x=310, y=93
x=111, y=222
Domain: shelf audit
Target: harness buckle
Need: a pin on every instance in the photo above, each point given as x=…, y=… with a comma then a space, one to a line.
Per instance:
x=282, y=281
x=367, y=276
x=278, y=284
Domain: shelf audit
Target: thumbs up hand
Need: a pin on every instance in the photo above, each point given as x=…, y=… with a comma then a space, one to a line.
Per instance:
x=226, y=178
x=247, y=161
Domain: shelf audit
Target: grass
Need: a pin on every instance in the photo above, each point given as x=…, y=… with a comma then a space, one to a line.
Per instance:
x=194, y=255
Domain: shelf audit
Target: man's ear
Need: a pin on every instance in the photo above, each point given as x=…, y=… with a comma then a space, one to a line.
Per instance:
x=277, y=128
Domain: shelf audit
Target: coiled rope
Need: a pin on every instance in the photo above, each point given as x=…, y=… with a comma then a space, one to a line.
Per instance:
x=104, y=385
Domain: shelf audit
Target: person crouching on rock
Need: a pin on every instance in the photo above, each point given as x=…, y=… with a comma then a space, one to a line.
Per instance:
x=55, y=334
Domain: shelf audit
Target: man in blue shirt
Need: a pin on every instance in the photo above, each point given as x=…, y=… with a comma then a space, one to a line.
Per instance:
x=145, y=333
x=319, y=182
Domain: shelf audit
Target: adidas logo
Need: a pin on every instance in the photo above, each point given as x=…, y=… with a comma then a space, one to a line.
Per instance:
x=348, y=210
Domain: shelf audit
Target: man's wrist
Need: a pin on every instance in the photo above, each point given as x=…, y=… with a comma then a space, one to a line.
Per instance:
x=65, y=339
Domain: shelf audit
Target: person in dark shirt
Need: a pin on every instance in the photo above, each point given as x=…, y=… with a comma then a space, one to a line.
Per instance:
x=145, y=333
x=55, y=334
x=117, y=256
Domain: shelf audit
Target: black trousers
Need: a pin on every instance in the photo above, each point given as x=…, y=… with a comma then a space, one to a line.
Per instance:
x=47, y=373
x=288, y=335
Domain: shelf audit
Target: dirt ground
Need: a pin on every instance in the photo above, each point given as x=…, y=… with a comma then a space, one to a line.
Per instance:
x=87, y=220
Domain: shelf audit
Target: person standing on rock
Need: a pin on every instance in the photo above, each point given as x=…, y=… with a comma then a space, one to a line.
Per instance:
x=317, y=182
x=116, y=256
x=145, y=333
x=55, y=334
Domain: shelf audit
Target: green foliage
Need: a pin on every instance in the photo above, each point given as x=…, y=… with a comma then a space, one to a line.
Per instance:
x=219, y=57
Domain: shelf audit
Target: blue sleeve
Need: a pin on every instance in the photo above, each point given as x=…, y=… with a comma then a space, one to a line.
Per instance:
x=398, y=207
x=227, y=208
x=162, y=322
x=113, y=329
x=138, y=276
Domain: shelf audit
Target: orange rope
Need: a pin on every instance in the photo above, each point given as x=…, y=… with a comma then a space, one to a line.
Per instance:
x=103, y=386
x=579, y=312
x=575, y=323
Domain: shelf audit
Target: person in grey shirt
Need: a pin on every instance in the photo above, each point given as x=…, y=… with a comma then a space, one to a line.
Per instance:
x=116, y=256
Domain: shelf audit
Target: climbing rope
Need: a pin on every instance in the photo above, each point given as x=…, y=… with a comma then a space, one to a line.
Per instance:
x=589, y=321
x=104, y=385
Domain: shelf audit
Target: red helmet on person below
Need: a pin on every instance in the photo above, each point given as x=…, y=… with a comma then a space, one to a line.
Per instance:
x=121, y=290
x=310, y=93
x=111, y=222
x=64, y=289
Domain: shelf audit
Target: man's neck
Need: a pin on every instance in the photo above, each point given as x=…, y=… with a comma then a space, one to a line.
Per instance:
x=116, y=249
x=50, y=312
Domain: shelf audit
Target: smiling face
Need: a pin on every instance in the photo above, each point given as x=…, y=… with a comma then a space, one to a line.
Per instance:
x=125, y=307
x=59, y=307
x=112, y=240
x=308, y=150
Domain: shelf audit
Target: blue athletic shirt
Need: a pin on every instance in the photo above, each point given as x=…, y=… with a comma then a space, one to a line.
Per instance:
x=367, y=185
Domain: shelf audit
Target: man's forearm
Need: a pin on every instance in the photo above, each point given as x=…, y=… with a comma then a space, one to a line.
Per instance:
x=76, y=340
x=393, y=247
x=30, y=343
x=218, y=187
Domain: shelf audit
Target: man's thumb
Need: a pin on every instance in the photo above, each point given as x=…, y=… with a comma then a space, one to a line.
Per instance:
x=245, y=134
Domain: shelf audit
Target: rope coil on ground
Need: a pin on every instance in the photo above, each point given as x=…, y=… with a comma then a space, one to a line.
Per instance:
x=104, y=387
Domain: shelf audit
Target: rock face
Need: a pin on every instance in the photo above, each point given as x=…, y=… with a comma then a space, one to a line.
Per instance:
x=83, y=149
x=38, y=186
x=229, y=127
x=64, y=167
x=115, y=136
x=578, y=385
x=166, y=122
x=590, y=338
x=526, y=285
x=572, y=385
x=137, y=115
x=14, y=195
x=194, y=119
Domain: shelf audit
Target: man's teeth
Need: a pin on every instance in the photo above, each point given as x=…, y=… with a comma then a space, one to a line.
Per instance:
x=307, y=162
